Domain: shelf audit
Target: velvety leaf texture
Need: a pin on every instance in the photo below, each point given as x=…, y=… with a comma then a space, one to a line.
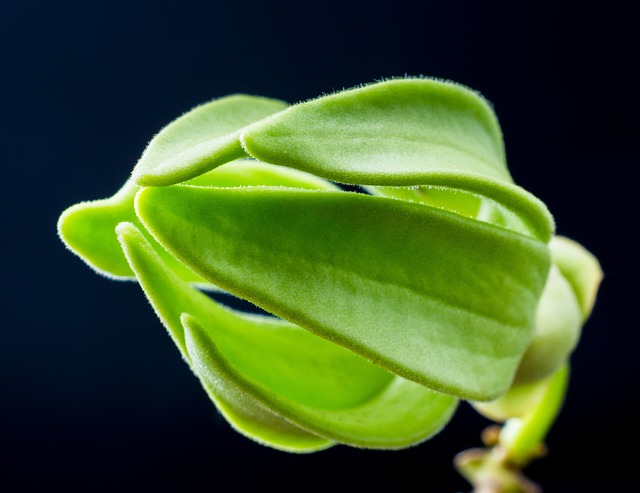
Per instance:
x=269, y=365
x=429, y=126
x=429, y=278
x=88, y=228
x=404, y=286
x=399, y=132
x=200, y=140
x=170, y=297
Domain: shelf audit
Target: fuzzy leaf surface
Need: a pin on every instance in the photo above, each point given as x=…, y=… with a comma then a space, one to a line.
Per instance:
x=288, y=371
x=201, y=139
x=581, y=269
x=88, y=228
x=428, y=125
x=399, y=133
x=401, y=414
x=170, y=297
x=434, y=297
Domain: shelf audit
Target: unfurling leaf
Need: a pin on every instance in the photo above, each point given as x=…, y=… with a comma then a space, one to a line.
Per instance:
x=200, y=140
x=442, y=280
x=88, y=228
x=418, y=291
x=275, y=371
x=399, y=132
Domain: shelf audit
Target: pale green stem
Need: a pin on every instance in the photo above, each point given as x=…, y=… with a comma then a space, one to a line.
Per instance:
x=498, y=468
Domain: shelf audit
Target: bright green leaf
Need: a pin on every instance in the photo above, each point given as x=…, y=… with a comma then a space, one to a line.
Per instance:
x=249, y=172
x=424, y=124
x=399, y=132
x=401, y=413
x=169, y=297
x=200, y=140
x=580, y=267
x=434, y=297
x=260, y=425
x=558, y=325
x=309, y=381
x=87, y=228
x=459, y=201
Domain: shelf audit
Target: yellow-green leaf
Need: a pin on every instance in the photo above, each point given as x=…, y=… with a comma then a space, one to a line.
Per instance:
x=201, y=139
x=253, y=364
x=434, y=297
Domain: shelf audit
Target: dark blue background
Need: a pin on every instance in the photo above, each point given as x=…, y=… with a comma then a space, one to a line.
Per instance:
x=94, y=395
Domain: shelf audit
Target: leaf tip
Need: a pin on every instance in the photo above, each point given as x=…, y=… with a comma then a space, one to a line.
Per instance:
x=126, y=228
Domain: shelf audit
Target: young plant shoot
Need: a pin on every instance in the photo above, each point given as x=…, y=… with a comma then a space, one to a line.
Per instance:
x=431, y=280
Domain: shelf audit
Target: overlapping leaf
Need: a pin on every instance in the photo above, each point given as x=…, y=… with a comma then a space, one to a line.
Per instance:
x=417, y=290
x=438, y=290
x=88, y=228
x=564, y=306
x=427, y=126
x=408, y=132
x=273, y=371
x=580, y=268
x=200, y=140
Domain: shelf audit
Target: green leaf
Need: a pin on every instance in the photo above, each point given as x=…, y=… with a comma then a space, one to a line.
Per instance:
x=87, y=228
x=458, y=201
x=434, y=297
x=399, y=132
x=564, y=306
x=200, y=140
x=169, y=297
x=581, y=269
x=276, y=367
x=262, y=426
x=520, y=399
x=399, y=414
x=558, y=325
x=425, y=124
x=461, y=202
x=249, y=172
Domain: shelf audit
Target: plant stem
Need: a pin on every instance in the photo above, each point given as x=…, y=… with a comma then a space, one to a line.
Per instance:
x=510, y=448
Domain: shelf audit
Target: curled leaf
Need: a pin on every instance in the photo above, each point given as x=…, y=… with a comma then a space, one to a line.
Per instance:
x=87, y=228
x=558, y=324
x=419, y=291
x=271, y=366
x=581, y=269
x=201, y=139
x=400, y=132
x=169, y=297
x=400, y=414
x=428, y=126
